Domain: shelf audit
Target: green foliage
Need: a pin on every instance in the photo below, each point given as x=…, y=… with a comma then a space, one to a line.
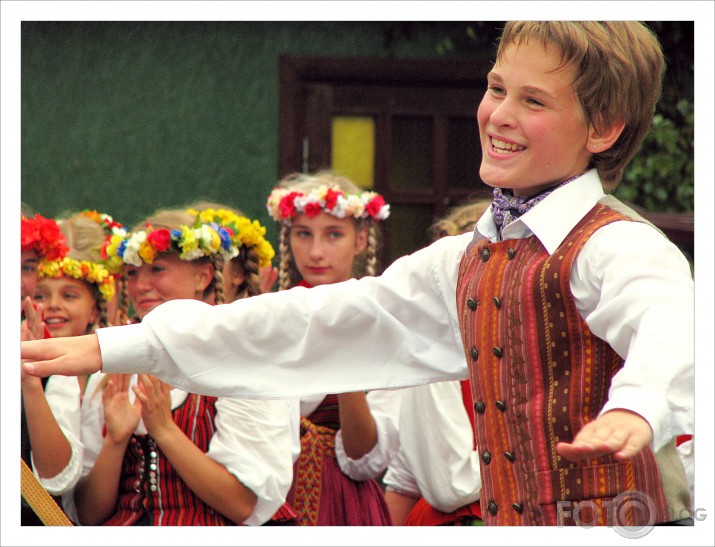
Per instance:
x=660, y=177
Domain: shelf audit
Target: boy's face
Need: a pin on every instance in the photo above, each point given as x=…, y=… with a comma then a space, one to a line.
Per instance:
x=532, y=128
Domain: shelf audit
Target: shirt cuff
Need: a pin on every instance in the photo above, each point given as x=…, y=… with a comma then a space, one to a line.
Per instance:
x=130, y=343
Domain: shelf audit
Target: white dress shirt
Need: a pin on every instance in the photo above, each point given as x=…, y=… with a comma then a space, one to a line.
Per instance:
x=384, y=407
x=436, y=458
x=632, y=286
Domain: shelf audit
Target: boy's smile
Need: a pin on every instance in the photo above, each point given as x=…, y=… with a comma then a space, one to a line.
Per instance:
x=532, y=127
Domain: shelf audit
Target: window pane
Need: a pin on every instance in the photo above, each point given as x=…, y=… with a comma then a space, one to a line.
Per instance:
x=412, y=145
x=353, y=149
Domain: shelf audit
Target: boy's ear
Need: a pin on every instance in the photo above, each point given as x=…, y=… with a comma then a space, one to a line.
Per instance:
x=601, y=139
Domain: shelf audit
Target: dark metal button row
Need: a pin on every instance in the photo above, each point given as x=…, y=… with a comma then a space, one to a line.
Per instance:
x=486, y=253
x=480, y=407
x=493, y=508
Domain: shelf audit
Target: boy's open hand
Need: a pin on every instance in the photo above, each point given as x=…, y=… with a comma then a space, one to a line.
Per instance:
x=68, y=356
x=619, y=432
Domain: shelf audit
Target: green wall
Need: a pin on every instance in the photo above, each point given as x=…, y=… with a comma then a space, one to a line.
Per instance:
x=128, y=117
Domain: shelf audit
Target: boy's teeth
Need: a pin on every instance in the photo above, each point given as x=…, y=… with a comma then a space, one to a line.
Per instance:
x=505, y=147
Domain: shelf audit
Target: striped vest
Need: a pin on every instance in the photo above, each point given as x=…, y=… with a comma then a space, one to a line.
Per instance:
x=149, y=485
x=538, y=375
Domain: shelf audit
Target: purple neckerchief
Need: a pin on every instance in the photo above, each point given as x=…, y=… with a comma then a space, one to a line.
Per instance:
x=506, y=208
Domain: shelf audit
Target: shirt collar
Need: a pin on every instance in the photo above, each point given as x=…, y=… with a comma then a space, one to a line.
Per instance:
x=568, y=205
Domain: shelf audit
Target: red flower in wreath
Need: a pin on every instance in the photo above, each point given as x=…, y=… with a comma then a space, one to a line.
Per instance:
x=160, y=240
x=313, y=209
x=374, y=206
x=43, y=235
x=287, y=205
x=331, y=199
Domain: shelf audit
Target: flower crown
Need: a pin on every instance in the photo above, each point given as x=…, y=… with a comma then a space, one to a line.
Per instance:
x=242, y=231
x=112, y=228
x=190, y=242
x=43, y=235
x=104, y=220
x=285, y=204
x=90, y=272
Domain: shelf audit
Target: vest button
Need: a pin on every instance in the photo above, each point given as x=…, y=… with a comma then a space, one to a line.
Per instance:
x=497, y=302
x=518, y=507
x=510, y=456
x=493, y=508
x=472, y=304
x=501, y=405
x=485, y=254
x=497, y=351
x=474, y=352
x=480, y=407
x=511, y=253
x=486, y=457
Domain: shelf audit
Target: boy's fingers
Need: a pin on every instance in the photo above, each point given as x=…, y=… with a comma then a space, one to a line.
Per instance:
x=41, y=368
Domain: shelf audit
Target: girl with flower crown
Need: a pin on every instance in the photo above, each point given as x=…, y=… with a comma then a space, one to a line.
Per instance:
x=73, y=292
x=161, y=456
x=41, y=239
x=327, y=232
x=250, y=272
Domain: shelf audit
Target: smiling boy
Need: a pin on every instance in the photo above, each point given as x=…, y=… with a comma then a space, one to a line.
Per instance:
x=572, y=316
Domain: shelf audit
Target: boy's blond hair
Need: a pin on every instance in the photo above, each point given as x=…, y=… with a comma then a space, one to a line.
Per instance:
x=619, y=77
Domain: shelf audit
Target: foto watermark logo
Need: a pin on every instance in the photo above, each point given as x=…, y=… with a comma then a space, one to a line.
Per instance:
x=617, y=513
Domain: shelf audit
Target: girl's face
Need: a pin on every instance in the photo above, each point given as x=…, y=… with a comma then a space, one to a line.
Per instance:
x=532, y=127
x=28, y=273
x=70, y=305
x=167, y=278
x=324, y=247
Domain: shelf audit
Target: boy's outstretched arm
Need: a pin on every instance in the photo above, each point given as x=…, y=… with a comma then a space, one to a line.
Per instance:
x=68, y=356
x=619, y=432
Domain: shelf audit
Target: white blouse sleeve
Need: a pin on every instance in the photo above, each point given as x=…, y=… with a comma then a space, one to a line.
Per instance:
x=384, y=407
x=437, y=438
x=253, y=440
x=399, y=477
x=63, y=397
x=91, y=425
x=305, y=341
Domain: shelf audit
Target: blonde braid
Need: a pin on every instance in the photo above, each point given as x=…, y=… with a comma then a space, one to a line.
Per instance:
x=371, y=251
x=123, y=303
x=217, y=282
x=103, y=320
x=250, y=269
x=284, y=268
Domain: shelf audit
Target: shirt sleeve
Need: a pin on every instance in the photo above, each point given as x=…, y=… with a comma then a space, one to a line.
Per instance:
x=63, y=397
x=398, y=329
x=384, y=407
x=399, y=477
x=253, y=440
x=437, y=439
x=634, y=288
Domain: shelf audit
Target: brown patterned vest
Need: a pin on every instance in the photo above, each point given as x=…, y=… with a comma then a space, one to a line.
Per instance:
x=538, y=375
x=151, y=487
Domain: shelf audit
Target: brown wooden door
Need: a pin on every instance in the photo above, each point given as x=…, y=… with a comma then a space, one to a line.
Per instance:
x=426, y=143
